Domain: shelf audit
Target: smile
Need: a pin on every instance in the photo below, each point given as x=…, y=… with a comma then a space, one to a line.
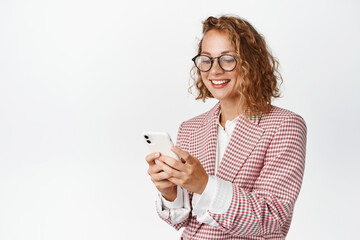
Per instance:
x=219, y=83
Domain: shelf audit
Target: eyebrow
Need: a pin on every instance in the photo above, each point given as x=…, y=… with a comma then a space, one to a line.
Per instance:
x=224, y=52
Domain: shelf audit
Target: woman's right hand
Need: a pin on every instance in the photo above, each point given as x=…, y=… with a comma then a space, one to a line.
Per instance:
x=167, y=189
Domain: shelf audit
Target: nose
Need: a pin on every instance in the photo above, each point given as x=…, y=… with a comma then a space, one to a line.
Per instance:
x=216, y=69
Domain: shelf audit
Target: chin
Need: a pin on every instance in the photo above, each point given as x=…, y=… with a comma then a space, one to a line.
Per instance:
x=220, y=97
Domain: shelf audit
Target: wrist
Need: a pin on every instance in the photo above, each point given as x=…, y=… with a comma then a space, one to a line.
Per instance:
x=203, y=186
x=170, y=196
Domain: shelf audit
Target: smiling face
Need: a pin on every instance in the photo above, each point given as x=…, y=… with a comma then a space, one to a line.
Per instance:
x=222, y=85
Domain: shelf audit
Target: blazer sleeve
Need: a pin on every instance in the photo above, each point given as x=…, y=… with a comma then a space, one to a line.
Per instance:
x=270, y=203
x=179, y=217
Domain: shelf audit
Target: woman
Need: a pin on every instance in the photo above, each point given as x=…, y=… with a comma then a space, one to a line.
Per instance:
x=242, y=161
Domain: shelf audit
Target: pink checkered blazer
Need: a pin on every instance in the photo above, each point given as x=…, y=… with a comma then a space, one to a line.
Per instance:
x=264, y=161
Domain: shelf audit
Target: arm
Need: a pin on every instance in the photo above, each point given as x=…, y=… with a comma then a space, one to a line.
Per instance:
x=177, y=212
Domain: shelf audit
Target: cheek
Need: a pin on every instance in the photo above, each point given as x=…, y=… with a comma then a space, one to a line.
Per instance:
x=235, y=74
x=204, y=75
x=238, y=80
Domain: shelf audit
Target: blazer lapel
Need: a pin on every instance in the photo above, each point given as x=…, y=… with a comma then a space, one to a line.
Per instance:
x=242, y=142
x=203, y=141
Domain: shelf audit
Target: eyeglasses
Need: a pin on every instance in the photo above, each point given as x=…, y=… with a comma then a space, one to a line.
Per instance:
x=204, y=63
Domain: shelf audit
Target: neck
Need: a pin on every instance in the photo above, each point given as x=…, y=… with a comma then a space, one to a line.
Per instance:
x=230, y=110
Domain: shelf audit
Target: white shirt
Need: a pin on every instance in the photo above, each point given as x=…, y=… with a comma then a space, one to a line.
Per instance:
x=217, y=195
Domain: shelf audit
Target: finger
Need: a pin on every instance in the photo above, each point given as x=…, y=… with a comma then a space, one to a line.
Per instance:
x=153, y=169
x=160, y=176
x=182, y=154
x=176, y=181
x=169, y=170
x=164, y=184
x=172, y=162
x=151, y=157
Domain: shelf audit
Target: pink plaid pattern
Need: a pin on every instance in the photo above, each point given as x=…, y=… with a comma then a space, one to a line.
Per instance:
x=264, y=161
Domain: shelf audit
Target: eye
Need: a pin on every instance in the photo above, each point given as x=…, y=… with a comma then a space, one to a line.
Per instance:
x=227, y=59
x=204, y=60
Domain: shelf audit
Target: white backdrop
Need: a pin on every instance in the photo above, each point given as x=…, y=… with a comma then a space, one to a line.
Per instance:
x=80, y=80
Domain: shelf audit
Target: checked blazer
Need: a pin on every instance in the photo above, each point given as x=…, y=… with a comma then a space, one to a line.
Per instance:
x=264, y=161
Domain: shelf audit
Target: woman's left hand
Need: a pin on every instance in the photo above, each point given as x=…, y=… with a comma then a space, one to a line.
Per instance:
x=188, y=174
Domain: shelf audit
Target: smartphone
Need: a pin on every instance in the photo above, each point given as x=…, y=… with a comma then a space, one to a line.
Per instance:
x=160, y=142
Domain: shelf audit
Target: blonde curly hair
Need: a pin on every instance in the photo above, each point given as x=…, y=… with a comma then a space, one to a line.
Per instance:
x=258, y=67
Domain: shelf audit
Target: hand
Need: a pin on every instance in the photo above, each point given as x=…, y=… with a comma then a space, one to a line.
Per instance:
x=188, y=174
x=160, y=178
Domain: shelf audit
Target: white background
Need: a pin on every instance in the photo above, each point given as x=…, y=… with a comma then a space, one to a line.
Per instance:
x=80, y=81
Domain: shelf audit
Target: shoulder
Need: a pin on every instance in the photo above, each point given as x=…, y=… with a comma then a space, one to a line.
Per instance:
x=191, y=125
x=197, y=121
x=280, y=117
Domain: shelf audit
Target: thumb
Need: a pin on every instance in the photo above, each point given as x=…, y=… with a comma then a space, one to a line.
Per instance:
x=183, y=155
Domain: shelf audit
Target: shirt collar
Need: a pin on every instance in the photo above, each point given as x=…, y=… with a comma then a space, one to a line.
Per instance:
x=229, y=123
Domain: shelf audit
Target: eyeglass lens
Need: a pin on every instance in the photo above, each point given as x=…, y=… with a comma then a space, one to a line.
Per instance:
x=204, y=63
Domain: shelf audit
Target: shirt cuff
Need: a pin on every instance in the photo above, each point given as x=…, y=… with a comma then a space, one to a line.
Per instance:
x=177, y=203
x=221, y=201
x=179, y=209
x=216, y=198
x=201, y=203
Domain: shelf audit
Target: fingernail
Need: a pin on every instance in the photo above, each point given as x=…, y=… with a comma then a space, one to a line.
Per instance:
x=157, y=154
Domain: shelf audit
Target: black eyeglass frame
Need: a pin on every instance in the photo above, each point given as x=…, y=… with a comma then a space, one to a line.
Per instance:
x=212, y=62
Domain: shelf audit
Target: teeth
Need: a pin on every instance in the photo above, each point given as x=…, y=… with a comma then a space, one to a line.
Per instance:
x=219, y=82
